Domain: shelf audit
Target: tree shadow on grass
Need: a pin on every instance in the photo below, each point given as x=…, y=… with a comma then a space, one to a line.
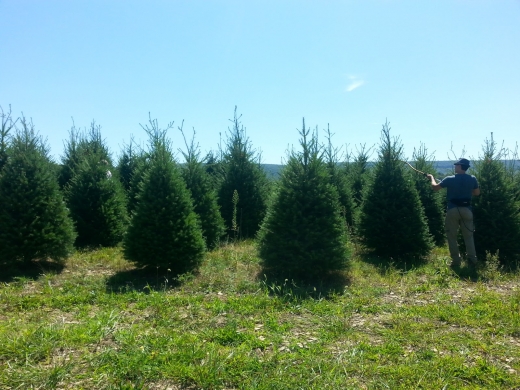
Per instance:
x=331, y=284
x=30, y=270
x=145, y=279
x=384, y=264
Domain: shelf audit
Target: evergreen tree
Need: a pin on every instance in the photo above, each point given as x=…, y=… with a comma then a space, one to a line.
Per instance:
x=164, y=230
x=496, y=212
x=7, y=124
x=79, y=146
x=339, y=180
x=516, y=181
x=512, y=162
x=127, y=164
x=213, y=167
x=430, y=200
x=203, y=196
x=358, y=174
x=392, y=221
x=71, y=158
x=243, y=173
x=96, y=200
x=130, y=170
x=141, y=164
x=34, y=222
x=303, y=234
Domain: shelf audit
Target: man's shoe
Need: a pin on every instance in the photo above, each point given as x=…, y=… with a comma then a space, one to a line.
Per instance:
x=473, y=264
x=455, y=264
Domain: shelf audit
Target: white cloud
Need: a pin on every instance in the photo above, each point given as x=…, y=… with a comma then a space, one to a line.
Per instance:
x=355, y=83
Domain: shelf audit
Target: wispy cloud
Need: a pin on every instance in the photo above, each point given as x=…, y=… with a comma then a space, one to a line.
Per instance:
x=355, y=82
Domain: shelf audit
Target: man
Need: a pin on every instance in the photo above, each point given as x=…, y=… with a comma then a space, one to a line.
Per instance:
x=460, y=188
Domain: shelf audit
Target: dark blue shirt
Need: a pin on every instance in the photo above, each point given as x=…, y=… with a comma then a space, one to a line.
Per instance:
x=459, y=186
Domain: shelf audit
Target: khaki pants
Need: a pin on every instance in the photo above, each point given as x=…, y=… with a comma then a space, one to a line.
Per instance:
x=460, y=217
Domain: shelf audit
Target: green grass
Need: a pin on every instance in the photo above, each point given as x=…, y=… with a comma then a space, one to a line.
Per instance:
x=98, y=323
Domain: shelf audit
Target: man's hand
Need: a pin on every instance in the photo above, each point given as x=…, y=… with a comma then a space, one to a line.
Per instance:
x=435, y=186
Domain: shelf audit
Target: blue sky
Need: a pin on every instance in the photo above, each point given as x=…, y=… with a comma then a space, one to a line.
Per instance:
x=444, y=73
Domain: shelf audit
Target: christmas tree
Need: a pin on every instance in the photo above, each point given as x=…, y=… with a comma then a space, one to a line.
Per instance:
x=392, y=221
x=203, y=196
x=34, y=222
x=496, y=211
x=164, y=230
x=242, y=173
x=303, y=235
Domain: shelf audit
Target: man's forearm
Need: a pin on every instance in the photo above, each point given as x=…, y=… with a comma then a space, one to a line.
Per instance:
x=435, y=186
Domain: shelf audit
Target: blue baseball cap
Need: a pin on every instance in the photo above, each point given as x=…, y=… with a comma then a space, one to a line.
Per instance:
x=462, y=161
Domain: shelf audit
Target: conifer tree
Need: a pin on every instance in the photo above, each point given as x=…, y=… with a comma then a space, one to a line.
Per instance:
x=512, y=163
x=243, y=173
x=303, y=235
x=142, y=164
x=339, y=180
x=392, y=221
x=213, y=167
x=516, y=181
x=358, y=173
x=203, y=195
x=496, y=212
x=71, y=157
x=96, y=200
x=127, y=164
x=78, y=147
x=34, y=222
x=132, y=164
x=164, y=230
x=7, y=124
x=430, y=200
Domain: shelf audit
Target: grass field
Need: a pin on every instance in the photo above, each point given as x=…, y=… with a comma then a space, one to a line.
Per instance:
x=98, y=323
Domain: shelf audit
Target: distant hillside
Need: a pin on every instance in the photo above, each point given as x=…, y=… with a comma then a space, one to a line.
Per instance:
x=273, y=170
x=444, y=167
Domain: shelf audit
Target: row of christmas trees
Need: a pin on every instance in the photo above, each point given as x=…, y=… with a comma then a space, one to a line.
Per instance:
x=167, y=214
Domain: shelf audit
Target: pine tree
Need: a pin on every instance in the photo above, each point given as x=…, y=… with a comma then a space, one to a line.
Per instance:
x=96, y=200
x=243, y=173
x=303, y=235
x=339, y=180
x=34, y=222
x=203, y=196
x=392, y=221
x=164, y=230
x=430, y=200
x=496, y=212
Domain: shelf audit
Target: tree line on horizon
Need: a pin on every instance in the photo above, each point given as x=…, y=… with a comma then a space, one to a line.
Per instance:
x=167, y=214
